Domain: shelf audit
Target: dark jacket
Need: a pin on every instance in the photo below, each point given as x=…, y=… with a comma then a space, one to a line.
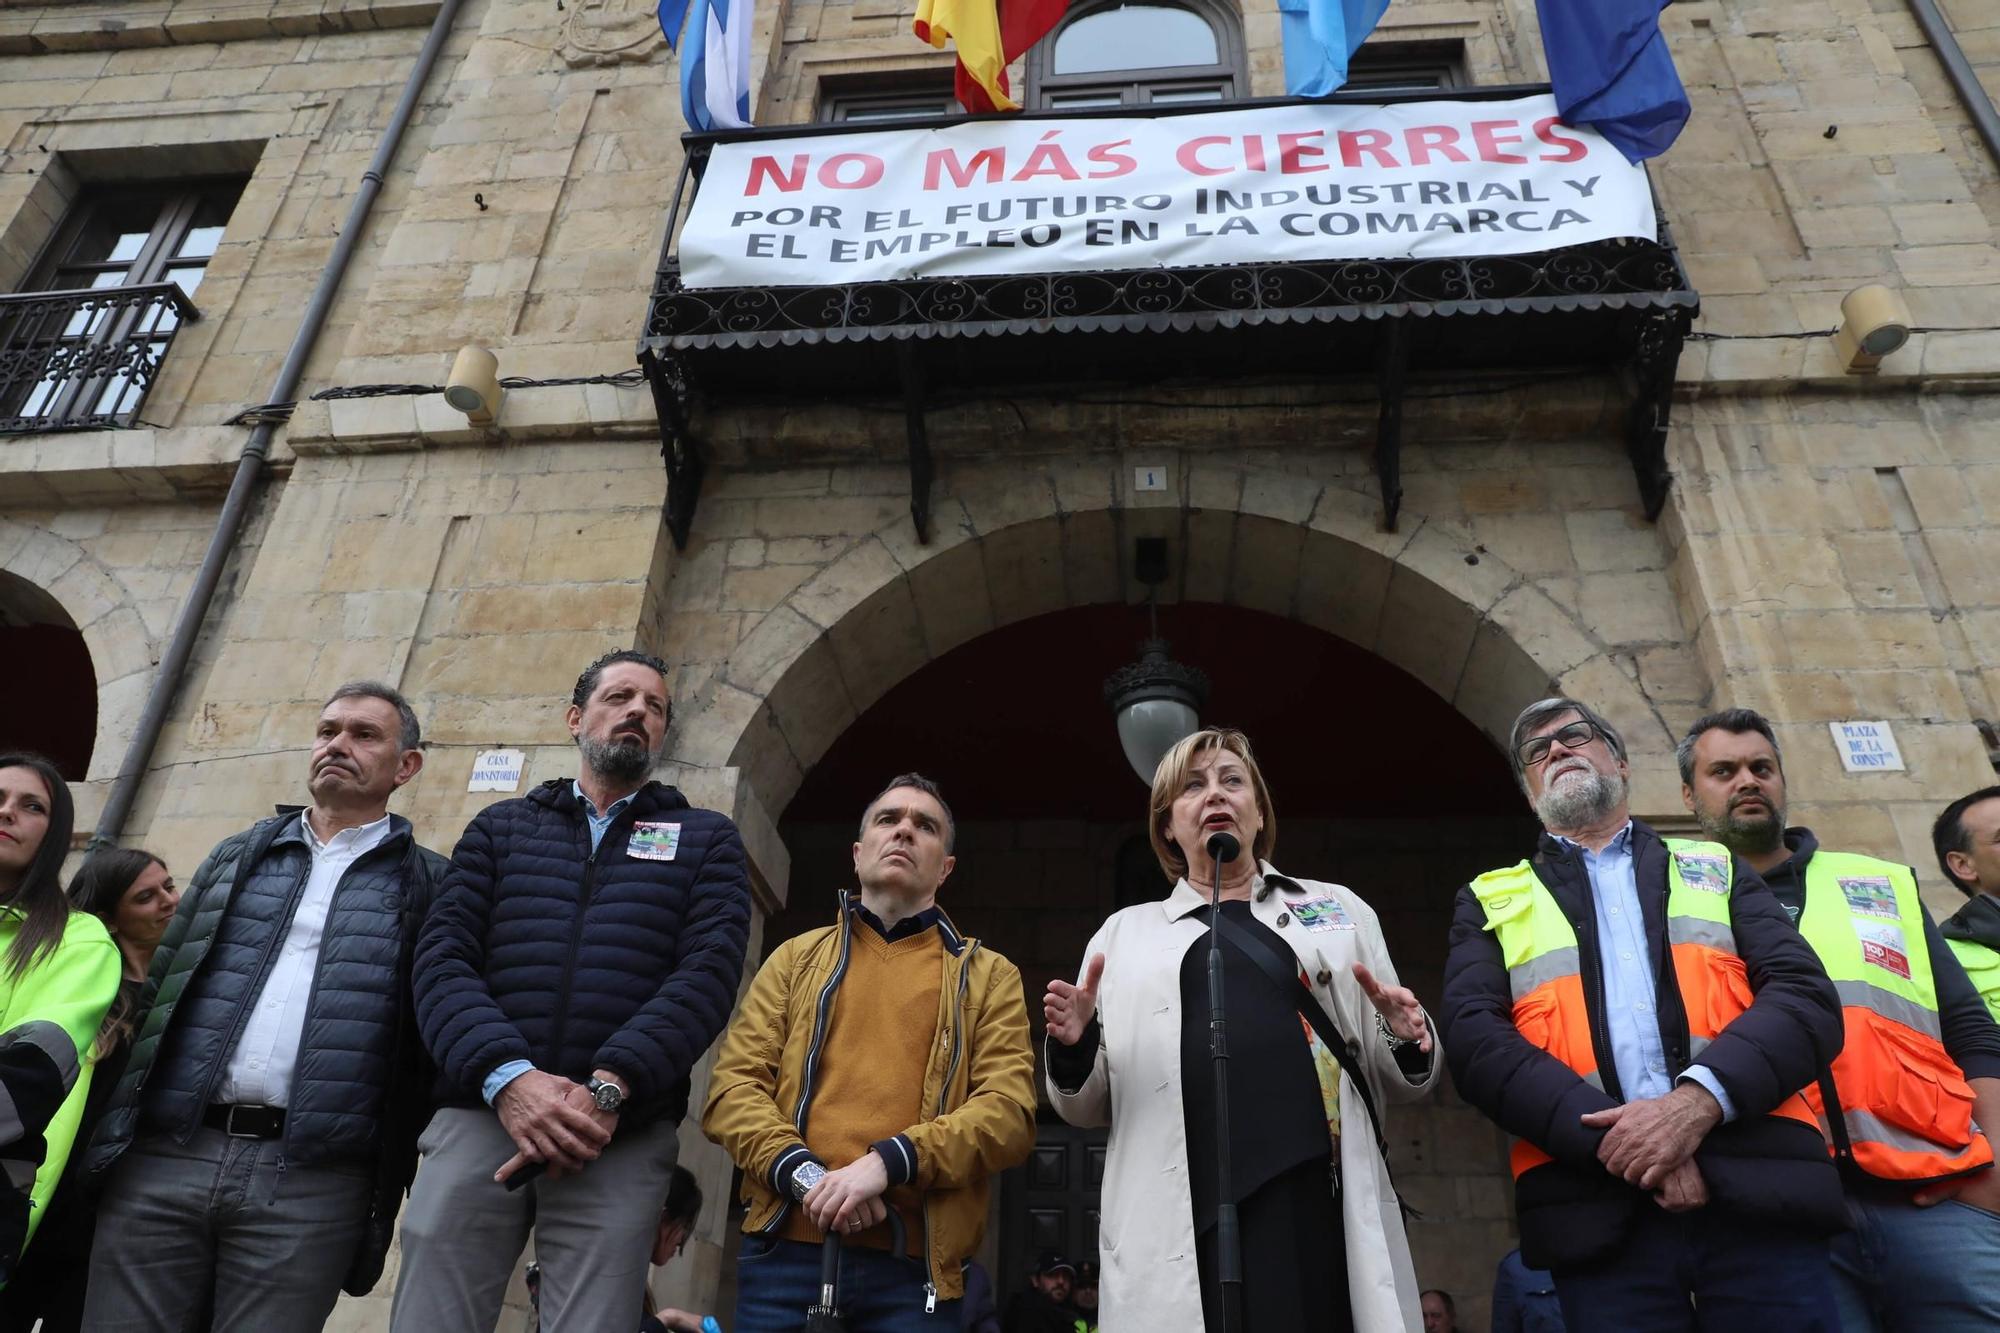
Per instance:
x=1572, y=1210
x=1971, y=1038
x=1034, y=1311
x=1978, y=922
x=358, y=1097
x=542, y=950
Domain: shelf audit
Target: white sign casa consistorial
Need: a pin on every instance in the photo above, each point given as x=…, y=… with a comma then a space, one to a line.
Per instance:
x=497, y=770
x=1310, y=181
x=1867, y=747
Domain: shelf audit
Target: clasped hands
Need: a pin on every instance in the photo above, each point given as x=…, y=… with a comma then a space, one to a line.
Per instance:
x=1651, y=1144
x=850, y=1199
x=554, y=1121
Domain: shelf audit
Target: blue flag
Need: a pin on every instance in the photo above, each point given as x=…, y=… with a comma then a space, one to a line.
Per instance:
x=715, y=65
x=1612, y=72
x=1320, y=37
x=673, y=14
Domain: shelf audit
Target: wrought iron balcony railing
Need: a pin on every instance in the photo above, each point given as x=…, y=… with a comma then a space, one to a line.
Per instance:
x=84, y=359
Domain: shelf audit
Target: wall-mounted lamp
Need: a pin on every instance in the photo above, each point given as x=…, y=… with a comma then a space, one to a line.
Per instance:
x=1873, y=323
x=1156, y=701
x=474, y=386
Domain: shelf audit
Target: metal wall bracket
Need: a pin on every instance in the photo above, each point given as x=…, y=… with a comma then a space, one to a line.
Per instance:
x=672, y=402
x=1655, y=364
x=1392, y=362
x=922, y=468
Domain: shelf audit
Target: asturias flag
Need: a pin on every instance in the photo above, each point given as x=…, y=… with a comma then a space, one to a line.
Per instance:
x=1612, y=71
x=1320, y=37
x=715, y=65
x=991, y=34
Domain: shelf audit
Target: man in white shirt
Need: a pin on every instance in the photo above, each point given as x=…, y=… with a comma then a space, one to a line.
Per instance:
x=263, y=1134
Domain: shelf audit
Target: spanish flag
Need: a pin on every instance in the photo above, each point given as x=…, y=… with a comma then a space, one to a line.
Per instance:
x=991, y=34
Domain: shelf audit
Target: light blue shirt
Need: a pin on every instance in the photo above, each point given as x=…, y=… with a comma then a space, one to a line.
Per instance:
x=1631, y=987
x=513, y=1069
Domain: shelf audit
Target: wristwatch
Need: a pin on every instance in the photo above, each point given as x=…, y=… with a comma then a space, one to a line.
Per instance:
x=804, y=1177
x=608, y=1096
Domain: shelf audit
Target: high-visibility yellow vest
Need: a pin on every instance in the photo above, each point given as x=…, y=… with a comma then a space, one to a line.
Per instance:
x=1982, y=965
x=1551, y=1006
x=1905, y=1103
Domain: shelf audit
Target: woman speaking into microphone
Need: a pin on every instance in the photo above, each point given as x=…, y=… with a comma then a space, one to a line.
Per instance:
x=1284, y=1147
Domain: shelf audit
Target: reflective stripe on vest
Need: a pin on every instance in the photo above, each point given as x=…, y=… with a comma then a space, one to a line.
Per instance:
x=1905, y=1102
x=1982, y=965
x=1551, y=1009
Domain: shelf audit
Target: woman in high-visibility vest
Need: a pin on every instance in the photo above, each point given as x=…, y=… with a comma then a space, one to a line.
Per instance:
x=58, y=976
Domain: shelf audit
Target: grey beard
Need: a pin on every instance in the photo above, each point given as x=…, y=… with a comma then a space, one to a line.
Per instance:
x=1743, y=836
x=621, y=759
x=1577, y=804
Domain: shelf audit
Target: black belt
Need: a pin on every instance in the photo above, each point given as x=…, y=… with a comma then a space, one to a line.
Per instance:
x=245, y=1122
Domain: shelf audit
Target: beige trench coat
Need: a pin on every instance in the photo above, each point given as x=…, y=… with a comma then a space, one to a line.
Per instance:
x=1149, y=1281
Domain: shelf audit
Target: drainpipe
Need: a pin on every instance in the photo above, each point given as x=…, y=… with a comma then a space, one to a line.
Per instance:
x=250, y=464
x=1959, y=70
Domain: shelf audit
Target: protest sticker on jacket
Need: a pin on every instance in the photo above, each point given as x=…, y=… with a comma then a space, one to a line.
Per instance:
x=1264, y=184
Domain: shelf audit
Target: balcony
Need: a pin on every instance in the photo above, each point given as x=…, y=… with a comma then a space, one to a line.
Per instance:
x=1612, y=303
x=84, y=359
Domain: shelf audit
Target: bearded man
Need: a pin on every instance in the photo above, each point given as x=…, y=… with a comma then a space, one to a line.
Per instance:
x=1924, y=1253
x=1639, y=1014
x=583, y=954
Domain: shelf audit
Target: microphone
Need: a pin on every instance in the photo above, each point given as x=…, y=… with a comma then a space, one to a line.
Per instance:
x=1223, y=847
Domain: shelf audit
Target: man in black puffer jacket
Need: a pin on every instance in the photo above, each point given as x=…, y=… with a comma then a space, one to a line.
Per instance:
x=258, y=1146
x=584, y=952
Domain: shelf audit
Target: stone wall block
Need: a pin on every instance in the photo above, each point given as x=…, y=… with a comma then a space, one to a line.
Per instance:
x=1342, y=587
x=1426, y=631
x=811, y=705
x=760, y=660
x=1094, y=558
x=952, y=600
x=879, y=644
x=1024, y=571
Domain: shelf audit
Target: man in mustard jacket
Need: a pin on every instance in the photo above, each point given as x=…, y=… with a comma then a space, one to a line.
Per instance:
x=876, y=1078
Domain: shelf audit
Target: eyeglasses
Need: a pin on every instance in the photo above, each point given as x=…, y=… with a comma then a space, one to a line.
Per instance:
x=1573, y=735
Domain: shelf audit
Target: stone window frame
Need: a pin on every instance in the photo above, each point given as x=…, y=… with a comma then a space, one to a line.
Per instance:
x=1230, y=75
x=177, y=203
x=84, y=147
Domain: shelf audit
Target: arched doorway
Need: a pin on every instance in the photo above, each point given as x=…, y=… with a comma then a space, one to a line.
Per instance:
x=1473, y=639
x=1378, y=783
x=49, y=677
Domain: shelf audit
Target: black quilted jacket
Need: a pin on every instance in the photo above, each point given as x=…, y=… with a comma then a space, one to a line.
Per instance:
x=540, y=949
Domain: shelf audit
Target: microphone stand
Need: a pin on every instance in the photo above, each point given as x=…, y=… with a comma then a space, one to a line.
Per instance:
x=1228, y=1238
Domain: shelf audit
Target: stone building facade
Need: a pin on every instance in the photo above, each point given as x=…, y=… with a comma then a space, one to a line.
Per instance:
x=1826, y=553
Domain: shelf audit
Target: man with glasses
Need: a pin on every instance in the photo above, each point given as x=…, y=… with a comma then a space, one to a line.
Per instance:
x=1638, y=1013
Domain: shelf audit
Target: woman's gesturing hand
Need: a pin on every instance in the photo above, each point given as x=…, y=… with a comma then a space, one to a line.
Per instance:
x=1068, y=1008
x=1398, y=1007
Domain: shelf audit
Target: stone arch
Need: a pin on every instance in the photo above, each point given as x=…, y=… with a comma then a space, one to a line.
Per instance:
x=1429, y=599
x=122, y=648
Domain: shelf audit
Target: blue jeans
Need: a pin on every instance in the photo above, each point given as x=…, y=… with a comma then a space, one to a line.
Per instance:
x=1925, y=1270
x=1706, y=1271
x=778, y=1280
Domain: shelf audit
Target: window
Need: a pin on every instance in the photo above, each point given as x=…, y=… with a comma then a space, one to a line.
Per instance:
x=81, y=345
x=885, y=98
x=1137, y=53
x=1406, y=67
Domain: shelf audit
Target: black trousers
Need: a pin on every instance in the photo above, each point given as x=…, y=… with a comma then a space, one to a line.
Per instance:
x=1294, y=1257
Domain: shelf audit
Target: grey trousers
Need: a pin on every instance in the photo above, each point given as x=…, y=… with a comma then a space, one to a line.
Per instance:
x=463, y=1234
x=217, y=1216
